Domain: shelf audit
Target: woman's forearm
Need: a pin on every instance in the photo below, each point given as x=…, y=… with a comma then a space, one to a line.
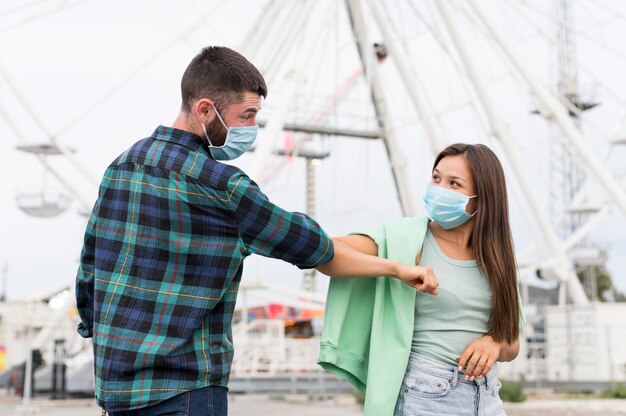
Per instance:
x=349, y=262
x=358, y=260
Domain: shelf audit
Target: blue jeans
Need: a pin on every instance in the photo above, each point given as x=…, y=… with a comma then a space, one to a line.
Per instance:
x=434, y=389
x=207, y=401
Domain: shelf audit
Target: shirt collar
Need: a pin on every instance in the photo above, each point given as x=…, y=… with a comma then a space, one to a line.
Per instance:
x=180, y=137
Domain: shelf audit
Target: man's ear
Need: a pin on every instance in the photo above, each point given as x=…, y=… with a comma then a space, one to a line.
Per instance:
x=203, y=109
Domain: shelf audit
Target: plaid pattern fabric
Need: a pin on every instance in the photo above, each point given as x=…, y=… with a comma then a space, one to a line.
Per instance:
x=161, y=265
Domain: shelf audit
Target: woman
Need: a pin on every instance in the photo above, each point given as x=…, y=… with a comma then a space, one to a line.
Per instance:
x=456, y=336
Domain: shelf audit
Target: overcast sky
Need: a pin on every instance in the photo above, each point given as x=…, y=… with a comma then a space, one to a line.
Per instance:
x=99, y=75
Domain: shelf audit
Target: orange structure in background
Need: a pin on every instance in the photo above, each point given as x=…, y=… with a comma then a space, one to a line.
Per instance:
x=297, y=320
x=3, y=357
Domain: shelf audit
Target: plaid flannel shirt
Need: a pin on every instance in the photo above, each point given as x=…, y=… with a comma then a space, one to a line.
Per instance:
x=161, y=265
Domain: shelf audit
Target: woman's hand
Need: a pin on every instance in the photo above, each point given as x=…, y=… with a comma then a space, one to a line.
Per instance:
x=479, y=356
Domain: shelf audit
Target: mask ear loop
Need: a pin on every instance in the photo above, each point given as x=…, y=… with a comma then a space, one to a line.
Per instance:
x=474, y=213
x=219, y=117
x=223, y=124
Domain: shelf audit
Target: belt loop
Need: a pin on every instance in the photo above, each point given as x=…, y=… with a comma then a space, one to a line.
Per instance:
x=490, y=379
x=455, y=376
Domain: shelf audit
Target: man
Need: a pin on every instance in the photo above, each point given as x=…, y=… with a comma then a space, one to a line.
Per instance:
x=165, y=243
x=164, y=247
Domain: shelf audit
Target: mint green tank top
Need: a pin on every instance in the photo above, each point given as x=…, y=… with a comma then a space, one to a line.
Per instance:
x=445, y=324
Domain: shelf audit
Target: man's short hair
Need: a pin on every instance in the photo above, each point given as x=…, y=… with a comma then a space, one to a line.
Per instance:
x=222, y=75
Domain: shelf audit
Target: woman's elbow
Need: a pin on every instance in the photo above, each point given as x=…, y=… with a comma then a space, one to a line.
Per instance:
x=326, y=268
x=512, y=351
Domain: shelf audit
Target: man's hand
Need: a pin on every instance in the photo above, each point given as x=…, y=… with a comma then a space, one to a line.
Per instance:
x=421, y=278
x=479, y=356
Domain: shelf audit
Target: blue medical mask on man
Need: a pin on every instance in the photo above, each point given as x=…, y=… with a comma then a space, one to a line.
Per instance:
x=238, y=140
x=447, y=207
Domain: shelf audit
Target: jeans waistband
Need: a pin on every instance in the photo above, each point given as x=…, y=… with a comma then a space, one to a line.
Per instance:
x=428, y=365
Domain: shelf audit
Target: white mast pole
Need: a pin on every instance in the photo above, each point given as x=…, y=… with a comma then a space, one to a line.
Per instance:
x=255, y=37
x=295, y=27
x=366, y=53
x=437, y=142
x=295, y=79
x=499, y=130
x=28, y=366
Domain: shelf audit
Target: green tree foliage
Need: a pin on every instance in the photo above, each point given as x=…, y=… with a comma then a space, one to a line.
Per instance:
x=512, y=391
x=606, y=291
x=617, y=391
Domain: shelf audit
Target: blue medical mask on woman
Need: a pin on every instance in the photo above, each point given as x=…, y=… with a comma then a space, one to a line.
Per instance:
x=238, y=140
x=446, y=207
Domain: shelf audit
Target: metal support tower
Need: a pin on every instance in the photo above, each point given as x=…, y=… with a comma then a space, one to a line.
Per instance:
x=313, y=158
x=567, y=174
x=311, y=162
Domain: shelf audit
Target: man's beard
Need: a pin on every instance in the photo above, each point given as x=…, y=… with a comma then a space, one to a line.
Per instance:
x=216, y=132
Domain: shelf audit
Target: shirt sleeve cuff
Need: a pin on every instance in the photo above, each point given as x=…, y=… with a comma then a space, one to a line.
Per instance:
x=328, y=256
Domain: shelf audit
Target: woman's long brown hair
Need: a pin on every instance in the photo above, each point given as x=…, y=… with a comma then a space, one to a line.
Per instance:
x=491, y=239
